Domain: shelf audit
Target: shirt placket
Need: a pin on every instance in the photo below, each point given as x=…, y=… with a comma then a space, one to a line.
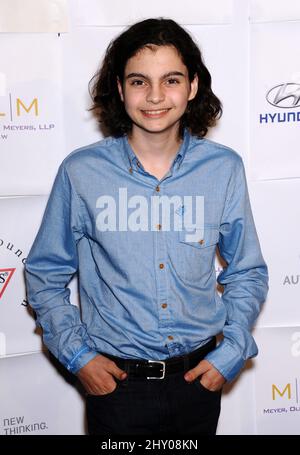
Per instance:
x=161, y=271
x=161, y=264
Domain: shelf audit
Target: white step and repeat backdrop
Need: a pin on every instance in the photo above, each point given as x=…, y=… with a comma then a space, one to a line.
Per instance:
x=49, y=51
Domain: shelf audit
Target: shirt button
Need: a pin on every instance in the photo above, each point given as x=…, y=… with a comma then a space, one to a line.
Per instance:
x=130, y=170
x=157, y=188
x=164, y=305
x=161, y=266
x=138, y=163
x=170, y=337
x=201, y=241
x=158, y=226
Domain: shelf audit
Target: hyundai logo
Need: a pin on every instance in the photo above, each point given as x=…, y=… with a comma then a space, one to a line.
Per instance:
x=284, y=95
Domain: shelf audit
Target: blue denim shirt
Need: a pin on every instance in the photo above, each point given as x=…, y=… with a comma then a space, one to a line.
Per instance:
x=151, y=292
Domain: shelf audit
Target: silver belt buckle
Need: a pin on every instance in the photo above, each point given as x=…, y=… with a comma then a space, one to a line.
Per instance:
x=164, y=369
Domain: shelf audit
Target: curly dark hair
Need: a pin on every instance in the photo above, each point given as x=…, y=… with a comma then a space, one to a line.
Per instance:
x=201, y=112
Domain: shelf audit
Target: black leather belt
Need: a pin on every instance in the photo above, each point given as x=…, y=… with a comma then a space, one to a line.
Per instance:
x=159, y=369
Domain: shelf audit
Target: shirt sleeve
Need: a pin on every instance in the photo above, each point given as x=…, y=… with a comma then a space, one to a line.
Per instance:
x=245, y=278
x=49, y=267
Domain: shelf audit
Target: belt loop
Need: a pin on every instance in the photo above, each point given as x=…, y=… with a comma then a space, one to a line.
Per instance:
x=186, y=362
x=126, y=367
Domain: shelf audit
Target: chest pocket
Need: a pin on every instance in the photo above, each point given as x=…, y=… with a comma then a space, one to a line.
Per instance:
x=196, y=254
x=208, y=236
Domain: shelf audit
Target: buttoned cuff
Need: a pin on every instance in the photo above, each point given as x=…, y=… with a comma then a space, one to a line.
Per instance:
x=81, y=358
x=226, y=359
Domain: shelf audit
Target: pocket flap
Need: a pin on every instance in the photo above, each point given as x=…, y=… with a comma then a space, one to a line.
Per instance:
x=199, y=238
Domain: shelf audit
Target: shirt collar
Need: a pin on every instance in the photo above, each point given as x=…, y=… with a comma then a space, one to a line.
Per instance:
x=131, y=158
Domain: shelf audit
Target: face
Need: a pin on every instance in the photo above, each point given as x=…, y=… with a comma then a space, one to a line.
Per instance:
x=156, y=89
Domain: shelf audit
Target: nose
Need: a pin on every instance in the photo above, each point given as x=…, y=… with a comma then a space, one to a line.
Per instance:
x=155, y=94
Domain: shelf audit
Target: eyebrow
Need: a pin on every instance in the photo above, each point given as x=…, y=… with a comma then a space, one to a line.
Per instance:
x=170, y=73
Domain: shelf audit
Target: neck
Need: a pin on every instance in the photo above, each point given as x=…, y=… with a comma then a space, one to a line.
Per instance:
x=155, y=148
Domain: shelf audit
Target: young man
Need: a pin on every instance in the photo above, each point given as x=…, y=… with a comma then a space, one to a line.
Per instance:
x=122, y=214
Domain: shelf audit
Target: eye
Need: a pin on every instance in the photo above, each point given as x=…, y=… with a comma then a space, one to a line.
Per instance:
x=137, y=82
x=172, y=81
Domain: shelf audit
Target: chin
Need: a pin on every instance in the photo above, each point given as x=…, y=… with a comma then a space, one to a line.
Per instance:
x=157, y=128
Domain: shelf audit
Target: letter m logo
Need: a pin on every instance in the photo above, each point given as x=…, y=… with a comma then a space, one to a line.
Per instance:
x=276, y=390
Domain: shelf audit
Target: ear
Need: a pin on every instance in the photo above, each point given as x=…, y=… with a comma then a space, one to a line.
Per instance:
x=120, y=89
x=194, y=88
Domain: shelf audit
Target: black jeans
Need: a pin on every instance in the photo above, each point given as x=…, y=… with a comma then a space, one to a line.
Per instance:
x=140, y=406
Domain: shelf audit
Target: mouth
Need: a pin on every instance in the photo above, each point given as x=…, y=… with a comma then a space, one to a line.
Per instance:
x=155, y=113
